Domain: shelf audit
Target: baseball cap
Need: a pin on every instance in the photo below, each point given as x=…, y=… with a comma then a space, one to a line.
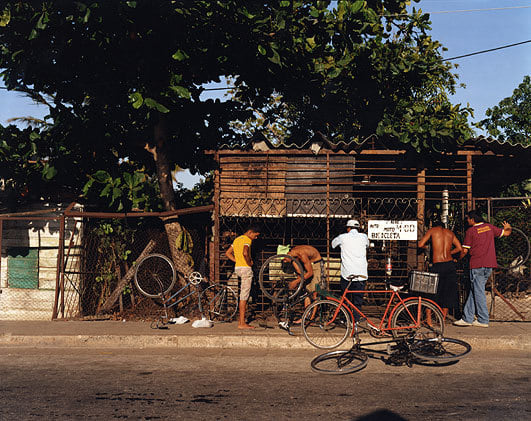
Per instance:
x=353, y=223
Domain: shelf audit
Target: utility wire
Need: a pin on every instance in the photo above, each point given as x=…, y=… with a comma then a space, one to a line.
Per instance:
x=479, y=10
x=487, y=51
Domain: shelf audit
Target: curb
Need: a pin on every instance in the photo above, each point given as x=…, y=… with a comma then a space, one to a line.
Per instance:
x=520, y=342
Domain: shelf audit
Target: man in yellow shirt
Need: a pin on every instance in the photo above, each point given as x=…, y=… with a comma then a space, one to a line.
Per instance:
x=240, y=253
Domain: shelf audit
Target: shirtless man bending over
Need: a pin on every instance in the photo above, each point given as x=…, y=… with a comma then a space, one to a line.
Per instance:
x=442, y=240
x=313, y=269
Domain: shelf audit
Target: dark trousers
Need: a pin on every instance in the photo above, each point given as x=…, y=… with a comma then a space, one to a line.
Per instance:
x=353, y=297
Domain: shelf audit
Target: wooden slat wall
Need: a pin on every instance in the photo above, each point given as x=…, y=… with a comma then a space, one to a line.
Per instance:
x=298, y=175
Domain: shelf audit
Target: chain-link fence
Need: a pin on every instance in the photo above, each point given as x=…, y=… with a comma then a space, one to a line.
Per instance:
x=509, y=292
x=57, y=266
x=40, y=279
x=98, y=273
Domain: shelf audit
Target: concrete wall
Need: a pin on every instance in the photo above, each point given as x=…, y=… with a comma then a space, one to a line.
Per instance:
x=43, y=235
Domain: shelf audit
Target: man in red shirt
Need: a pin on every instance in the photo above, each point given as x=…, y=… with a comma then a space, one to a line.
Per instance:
x=479, y=242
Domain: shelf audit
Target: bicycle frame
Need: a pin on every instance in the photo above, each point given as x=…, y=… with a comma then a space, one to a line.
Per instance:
x=165, y=301
x=388, y=314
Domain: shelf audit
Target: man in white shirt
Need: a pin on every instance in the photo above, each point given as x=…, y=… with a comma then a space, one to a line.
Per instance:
x=353, y=260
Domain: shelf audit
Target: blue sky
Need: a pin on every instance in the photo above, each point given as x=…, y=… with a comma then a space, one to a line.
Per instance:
x=462, y=26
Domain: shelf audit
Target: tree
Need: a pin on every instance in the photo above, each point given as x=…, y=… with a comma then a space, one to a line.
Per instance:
x=510, y=120
x=122, y=82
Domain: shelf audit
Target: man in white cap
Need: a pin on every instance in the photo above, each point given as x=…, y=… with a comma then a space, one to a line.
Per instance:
x=353, y=259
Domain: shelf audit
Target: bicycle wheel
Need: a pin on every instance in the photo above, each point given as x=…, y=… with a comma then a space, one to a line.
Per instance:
x=440, y=349
x=289, y=311
x=512, y=251
x=219, y=302
x=339, y=362
x=275, y=275
x=406, y=315
x=155, y=275
x=326, y=325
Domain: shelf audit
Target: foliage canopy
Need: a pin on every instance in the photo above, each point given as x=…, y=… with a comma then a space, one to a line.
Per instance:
x=510, y=120
x=125, y=80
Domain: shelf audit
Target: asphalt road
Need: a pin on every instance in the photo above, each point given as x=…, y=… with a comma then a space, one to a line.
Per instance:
x=152, y=384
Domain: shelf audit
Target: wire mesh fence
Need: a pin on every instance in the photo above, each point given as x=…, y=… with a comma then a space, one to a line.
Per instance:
x=98, y=275
x=50, y=267
x=509, y=292
x=54, y=265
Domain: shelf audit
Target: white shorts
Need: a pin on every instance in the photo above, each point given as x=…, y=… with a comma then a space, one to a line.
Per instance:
x=245, y=273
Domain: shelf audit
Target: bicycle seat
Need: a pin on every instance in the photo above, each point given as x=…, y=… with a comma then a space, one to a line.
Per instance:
x=396, y=288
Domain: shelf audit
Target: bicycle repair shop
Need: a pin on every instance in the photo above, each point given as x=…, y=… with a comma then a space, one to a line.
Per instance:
x=305, y=194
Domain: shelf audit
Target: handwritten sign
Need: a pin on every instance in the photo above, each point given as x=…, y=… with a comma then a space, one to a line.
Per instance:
x=392, y=230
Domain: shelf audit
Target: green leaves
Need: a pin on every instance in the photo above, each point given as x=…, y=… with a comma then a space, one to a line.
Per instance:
x=151, y=103
x=180, y=55
x=510, y=120
x=5, y=17
x=48, y=172
x=137, y=101
x=130, y=190
x=181, y=91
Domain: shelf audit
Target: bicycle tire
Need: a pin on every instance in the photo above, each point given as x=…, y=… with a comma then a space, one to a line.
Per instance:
x=273, y=280
x=288, y=311
x=432, y=325
x=155, y=275
x=219, y=302
x=339, y=362
x=440, y=349
x=320, y=330
x=512, y=251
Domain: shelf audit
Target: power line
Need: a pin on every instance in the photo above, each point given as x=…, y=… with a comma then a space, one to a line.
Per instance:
x=487, y=51
x=479, y=10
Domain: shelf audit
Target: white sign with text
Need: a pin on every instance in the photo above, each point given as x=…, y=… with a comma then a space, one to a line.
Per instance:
x=393, y=230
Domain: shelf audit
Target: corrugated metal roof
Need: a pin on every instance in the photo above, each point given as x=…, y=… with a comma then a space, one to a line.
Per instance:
x=320, y=141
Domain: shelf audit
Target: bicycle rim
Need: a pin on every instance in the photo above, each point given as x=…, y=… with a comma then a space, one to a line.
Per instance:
x=339, y=362
x=322, y=327
x=219, y=302
x=405, y=316
x=274, y=278
x=155, y=275
x=512, y=251
x=440, y=349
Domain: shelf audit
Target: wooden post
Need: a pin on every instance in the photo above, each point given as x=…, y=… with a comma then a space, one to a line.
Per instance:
x=214, y=256
x=328, y=219
x=111, y=299
x=60, y=279
x=469, y=181
x=421, y=208
x=1, y=225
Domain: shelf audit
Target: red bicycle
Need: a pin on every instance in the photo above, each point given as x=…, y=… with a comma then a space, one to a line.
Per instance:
x=329, y=322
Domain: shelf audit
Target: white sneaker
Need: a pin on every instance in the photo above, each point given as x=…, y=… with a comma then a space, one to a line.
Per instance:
x=461, y=322
x=478, y=324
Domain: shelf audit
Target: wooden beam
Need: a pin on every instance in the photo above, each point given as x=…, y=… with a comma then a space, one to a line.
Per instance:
x=421, y=206
x=469, y=170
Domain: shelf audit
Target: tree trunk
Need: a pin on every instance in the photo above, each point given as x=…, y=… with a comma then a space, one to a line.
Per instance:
x=171, y=225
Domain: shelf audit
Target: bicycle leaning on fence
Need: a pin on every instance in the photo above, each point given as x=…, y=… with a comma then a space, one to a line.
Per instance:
x=155, y=277
x=414, y=323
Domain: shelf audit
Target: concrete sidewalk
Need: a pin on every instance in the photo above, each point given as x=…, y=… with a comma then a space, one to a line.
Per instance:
x=116, y=334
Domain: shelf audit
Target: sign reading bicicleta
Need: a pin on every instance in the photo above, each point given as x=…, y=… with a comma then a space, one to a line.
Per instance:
x=392, y=230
